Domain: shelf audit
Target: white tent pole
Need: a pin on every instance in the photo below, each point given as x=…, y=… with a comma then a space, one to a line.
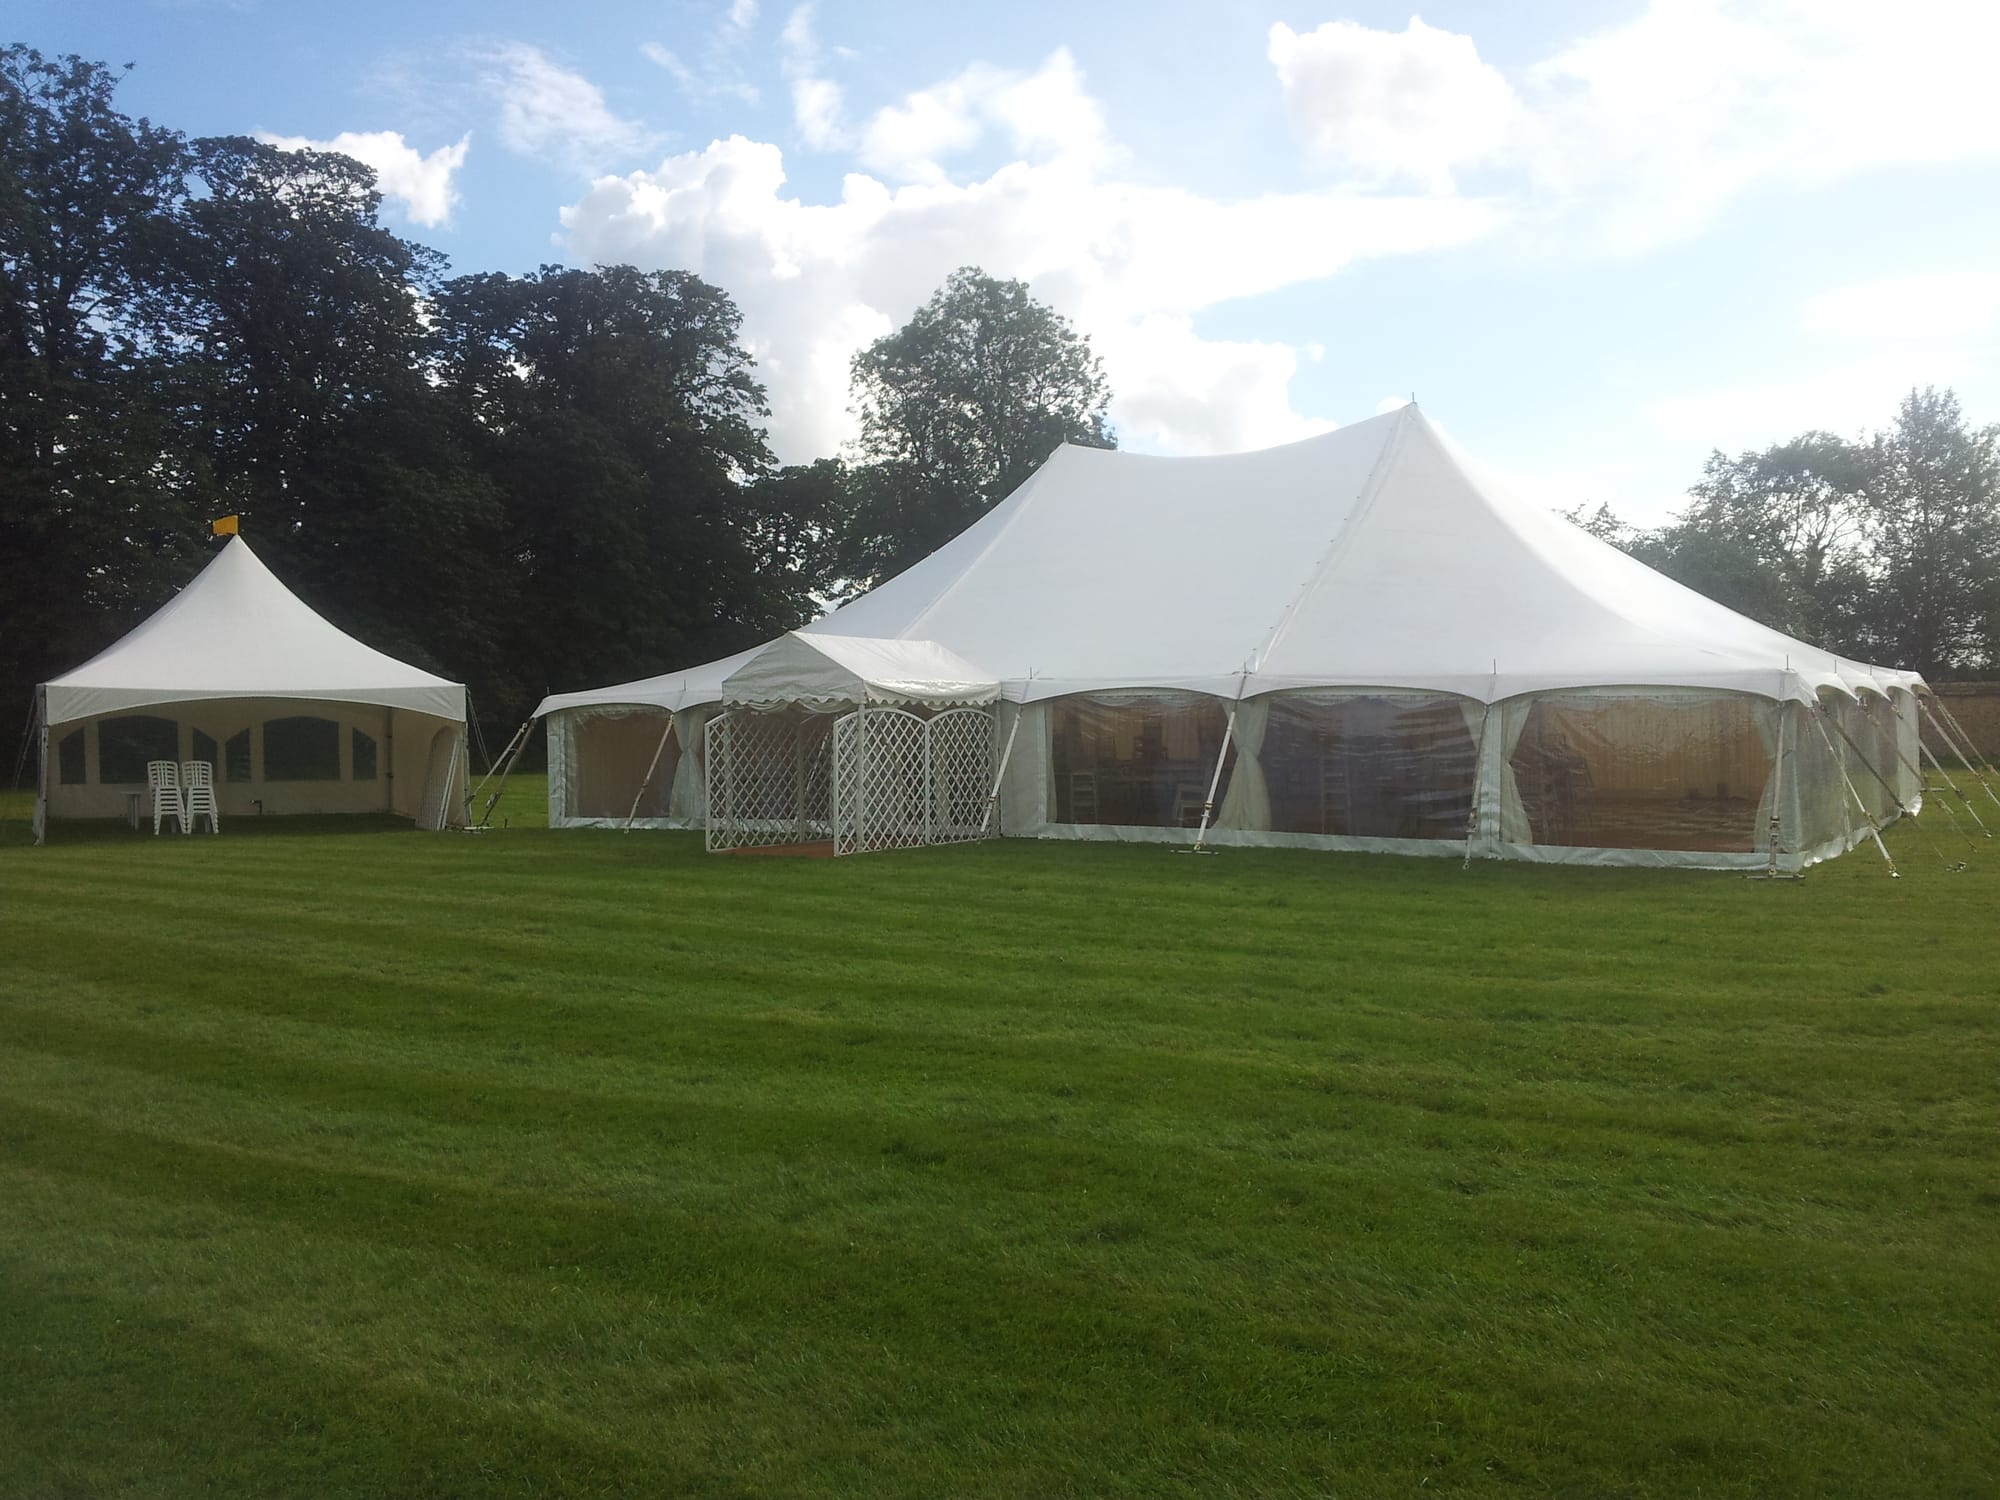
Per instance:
x=1478, y=777
x=1006, y=754
x=1962, y=751
x=1945, y=709
x=512, y=753
x=1208, y=807
x=1944, y=776
x=1820, y=719
x=1883, y=781
x=1776, y=829
x=647, y=780
x=1895, y=738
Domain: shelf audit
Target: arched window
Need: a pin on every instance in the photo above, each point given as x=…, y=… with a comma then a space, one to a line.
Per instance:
x=301, y=749
x=71, y=767
x=236, y=757
x=125, y=745
x=364, y=756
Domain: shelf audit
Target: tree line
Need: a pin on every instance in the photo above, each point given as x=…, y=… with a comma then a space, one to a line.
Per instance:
x=1883, y=548
x=556, y=479
x=562, y=478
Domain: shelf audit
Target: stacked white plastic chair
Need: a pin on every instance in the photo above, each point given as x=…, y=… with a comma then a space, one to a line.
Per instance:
x=163, y=780
x=198, y=795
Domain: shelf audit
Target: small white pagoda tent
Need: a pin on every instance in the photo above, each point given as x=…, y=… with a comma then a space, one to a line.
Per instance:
x=295, y=715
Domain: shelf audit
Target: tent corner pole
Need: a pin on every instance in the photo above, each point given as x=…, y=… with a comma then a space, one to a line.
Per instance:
x=1215, y=780
x=1819, y=718
x=1006, y=754
x=646, y=780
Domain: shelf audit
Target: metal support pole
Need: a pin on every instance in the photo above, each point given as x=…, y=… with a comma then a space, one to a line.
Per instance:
x=1775, y=832
x=1006, y=754
x=1963, y=751
x=1820, y=719
x=1949, y=785
x=1894, y=797
x=647, y=780
x=1208, y=807
x=1478, y=780
x=513, y=753
x=1895, y=738
x=1945, y=709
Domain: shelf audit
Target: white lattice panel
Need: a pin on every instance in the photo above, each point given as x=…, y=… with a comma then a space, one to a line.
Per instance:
x=961, y=770
x=768, y=779
x=879, y=782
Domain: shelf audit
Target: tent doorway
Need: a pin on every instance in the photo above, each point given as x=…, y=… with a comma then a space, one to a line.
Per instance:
x=872, y=779
x=441, y=776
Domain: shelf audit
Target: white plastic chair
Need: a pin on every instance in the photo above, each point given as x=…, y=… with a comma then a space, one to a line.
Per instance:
x=163, y=780
x=198, y=795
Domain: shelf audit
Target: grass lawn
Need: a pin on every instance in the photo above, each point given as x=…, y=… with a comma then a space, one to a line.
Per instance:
x=342, y=1160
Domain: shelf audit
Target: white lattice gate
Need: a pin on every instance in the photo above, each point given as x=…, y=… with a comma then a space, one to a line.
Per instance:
x=900, y=782
x=769, y=779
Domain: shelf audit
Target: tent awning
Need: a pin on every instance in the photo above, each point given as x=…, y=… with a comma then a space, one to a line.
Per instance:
x=842, y=671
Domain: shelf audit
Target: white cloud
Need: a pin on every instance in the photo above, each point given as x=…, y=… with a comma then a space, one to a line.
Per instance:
x=1042, y=115
x=556, y=115
x=1416, y=104
x=1843, y=398
x=1929, y=305
x=818, y=105
x=720, y=73
x=1131, y=264
x=422, y=184
x=1641, y=132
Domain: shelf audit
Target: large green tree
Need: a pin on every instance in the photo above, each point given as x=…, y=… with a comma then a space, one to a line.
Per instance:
x=1933, y=521
x=957, y=408
x=295, y=343
x=620, y=420
x=92, y=495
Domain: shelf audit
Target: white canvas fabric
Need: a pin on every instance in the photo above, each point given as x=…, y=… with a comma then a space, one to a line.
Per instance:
x=1370, y=556
x=844, y=671
x=236, y=632
x=232, y=653
x=1369, y=566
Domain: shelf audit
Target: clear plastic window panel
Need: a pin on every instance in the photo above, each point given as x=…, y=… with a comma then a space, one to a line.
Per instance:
x=1370, y=766
x=1653, y=771
x=610, y=756
x=1142, y=762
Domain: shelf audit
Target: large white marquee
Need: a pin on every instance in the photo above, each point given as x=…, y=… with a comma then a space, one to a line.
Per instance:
x=1347, y=642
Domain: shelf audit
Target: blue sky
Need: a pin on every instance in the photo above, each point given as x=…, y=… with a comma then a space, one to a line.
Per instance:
x=1595, y=240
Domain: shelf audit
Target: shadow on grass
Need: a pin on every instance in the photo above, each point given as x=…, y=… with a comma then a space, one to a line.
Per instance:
x=318, y=825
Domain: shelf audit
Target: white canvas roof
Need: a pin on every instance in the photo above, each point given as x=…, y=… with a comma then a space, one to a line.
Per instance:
x=236, y=632
x=846, y=670
x=1370, y=556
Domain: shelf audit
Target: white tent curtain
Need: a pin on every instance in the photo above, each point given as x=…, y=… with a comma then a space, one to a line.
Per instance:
x=1247, y=803
x=1778, y=784
x=1503, y=818
x=688, y=802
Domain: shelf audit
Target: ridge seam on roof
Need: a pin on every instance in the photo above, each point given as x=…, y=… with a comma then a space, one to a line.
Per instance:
x=1364, y=502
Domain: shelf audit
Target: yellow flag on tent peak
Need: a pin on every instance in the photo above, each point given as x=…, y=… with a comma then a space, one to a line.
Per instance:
x=224, y=525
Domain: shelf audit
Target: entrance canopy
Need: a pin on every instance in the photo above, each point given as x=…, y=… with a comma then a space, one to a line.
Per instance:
x=846, y=671
x=236, y=632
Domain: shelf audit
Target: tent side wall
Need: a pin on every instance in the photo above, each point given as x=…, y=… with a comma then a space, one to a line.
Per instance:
x=1632, y=776
x=272, y=756
x=602, y=761
x=1606, y=776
